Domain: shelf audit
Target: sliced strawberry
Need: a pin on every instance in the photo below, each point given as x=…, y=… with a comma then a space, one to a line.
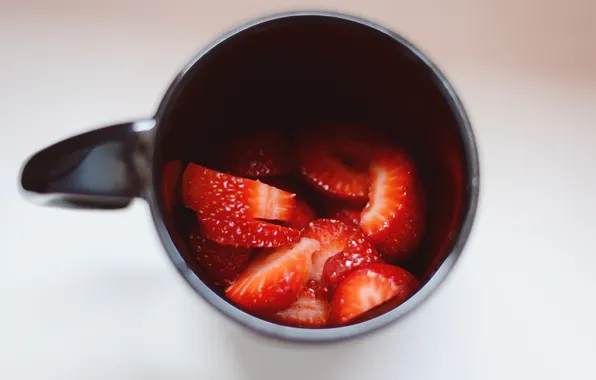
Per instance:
x=394, y=218
x=259, y=155
x=303, y=214
x=335, y=159
x=345, y=211
x=368, y=287
x=222, y=263
x=316, y=289
x=169, y=181
x=358, y=253
x=223, y=196
x=334, y=237
x=310, y=310
x=248, y=233
x=348, y=215
x=274, y=279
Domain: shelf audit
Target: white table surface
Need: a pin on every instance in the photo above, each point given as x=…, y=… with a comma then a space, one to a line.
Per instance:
x=91, y=295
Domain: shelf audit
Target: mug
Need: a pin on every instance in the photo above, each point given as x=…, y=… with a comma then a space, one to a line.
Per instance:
x=286, y=71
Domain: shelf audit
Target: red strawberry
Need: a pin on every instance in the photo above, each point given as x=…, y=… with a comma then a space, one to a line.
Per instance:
x=274, y=279
x=169, y=181
x=303, y=214
x=368, y=287
x=248, y=233
x=394, y=218
x=334, y=237
x=348, y=215
x=310, y=310
x=358, y=253
x=224, y=196
x=222, y=263
x=335, y=159
x=263, y=154
x=345, y=211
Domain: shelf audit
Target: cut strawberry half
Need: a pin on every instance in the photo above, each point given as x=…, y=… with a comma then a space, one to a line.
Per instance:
x=334, y=237
x=310, y=310
x=169, y=182
x=259, y=155
x=303, y=215
x=369, y=287
x=394, y=218
x=335, y=159
x=248, y=233
x=223, y=264
x=223, y=196
x=274, y=279
x=358, y=253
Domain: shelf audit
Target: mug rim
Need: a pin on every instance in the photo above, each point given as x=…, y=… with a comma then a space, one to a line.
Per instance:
x=296, y=334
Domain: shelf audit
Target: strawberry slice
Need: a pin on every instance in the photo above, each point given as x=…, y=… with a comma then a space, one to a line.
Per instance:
x=348, y=215
x=259, y=155
x=303, y=215
x=345, y=211
x=274, y=279
x=222, y=263
x=248, y=233
x=368, y=287
x=335, y=159
x=223, y=196
x=310, y=310
x=169, y=181
x=334, y=237
x=394, y=218
x=358, y=253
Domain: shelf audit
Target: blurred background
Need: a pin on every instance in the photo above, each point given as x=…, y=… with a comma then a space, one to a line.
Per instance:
x=91, y=295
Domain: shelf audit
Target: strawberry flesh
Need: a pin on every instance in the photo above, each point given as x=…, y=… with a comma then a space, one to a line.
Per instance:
x=248, y=233
x=335, y=159
x=358, y=253
x=310, y=310
x=223, y=264
x=368, y=287
x=394, y=218
x=348, y=215
x=334, y=237
x=259, y=155
x=303, y=215
x=274, y=279
x=217, y=195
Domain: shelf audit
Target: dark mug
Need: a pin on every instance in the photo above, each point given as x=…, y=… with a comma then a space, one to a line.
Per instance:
x=284, y=71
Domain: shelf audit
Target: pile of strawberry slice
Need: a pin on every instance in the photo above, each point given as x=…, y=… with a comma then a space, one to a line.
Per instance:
x=264, y=238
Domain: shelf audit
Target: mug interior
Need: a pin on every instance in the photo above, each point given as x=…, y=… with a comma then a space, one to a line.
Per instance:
x=295, y=72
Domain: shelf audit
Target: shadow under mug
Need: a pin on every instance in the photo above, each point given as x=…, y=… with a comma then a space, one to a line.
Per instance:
x=286, y=71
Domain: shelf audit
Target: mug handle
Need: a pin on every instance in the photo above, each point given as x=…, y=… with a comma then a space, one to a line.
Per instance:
x=97, y=169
